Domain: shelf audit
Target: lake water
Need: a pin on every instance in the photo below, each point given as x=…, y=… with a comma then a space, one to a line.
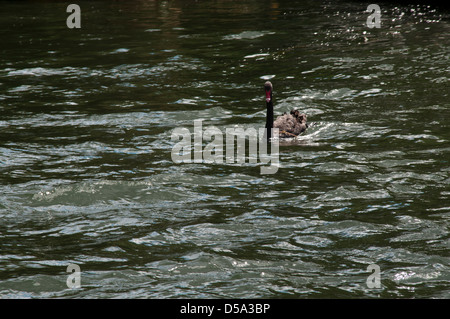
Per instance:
x=87, y=178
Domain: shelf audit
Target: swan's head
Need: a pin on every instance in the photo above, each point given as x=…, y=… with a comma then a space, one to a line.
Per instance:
x=268, y=87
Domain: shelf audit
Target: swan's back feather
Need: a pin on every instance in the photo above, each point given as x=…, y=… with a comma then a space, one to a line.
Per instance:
x=293, y=123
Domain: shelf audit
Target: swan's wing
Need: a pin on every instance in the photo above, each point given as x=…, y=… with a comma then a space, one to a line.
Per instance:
x=290, y=124
x=284, y=122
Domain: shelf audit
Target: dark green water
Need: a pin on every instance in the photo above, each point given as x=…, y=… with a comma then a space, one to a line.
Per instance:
x=86, y=175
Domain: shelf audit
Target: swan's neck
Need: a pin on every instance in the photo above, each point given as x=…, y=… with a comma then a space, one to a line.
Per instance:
x=269, y=118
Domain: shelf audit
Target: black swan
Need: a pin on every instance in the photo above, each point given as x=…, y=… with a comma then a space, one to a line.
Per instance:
x=289, y=125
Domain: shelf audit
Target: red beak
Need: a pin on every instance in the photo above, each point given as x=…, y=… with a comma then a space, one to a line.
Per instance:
x=268, y=96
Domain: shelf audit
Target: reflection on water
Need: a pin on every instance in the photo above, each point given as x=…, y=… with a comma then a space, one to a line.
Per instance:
x=86, y=118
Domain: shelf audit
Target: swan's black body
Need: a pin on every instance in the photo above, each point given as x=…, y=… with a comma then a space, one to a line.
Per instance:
x=289, y=125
